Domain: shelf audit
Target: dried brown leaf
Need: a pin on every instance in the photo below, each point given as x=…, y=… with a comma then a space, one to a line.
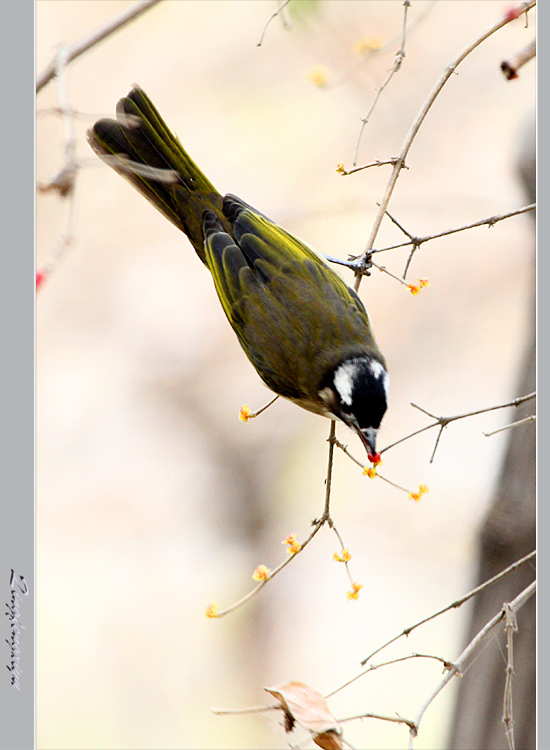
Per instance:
x=306, y=706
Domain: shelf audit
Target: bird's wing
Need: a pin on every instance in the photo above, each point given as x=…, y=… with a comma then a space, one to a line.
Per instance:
x=294, y=315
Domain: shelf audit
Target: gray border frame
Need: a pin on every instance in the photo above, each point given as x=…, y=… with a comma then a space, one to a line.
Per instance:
x=17, y=307
x=543, y=378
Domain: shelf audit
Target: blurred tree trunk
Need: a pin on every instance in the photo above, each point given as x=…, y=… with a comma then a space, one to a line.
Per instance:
x=508, y=533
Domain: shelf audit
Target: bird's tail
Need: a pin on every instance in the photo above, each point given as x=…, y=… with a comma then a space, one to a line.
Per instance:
x=139, y=145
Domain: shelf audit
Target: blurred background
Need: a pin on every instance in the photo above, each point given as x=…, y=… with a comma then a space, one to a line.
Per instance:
x=153, y=500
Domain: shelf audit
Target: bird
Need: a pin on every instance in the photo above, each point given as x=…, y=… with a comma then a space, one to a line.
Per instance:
x=306, y=332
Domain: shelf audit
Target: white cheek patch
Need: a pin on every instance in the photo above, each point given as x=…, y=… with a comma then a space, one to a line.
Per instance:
x=376, y=368
x=386, y=383
x=343, y=381
x=378, y=371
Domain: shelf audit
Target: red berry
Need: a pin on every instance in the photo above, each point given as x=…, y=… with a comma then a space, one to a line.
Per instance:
x=513, y=13
x=40, y=276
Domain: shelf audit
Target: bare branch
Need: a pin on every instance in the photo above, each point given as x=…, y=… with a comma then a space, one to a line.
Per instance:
x=399, y=57
x=417, y=241
x=525, y=420
x=361, y=264
x=513, y=607
x=411, y=135
x=507, y=716
x=397, y=719
x=455, y=604
x=95, y=37
x=246, y=710
x=372, y=667
x=444, y=421
x=64, y=181
x=511, y=66
x=281, y=7
x=376, y=163
x=317, y=525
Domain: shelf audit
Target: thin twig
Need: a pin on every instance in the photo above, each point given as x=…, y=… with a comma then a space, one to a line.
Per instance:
x=345, y=450
x=263, y=408
x=331, y=443
x=513, y=607
x=444, y=421
x=413, y=130
x=343, y=547
x=397, y=719
x=272, y=573
x=455, y=604
x=246, y=710
x=361, y=264
x=376, y=163
x=399, y=57
x=317, y=525
x=372, y=667
x=273, y=15
x=511, y=66
x=530, y=418
x=385, y=270
x=64, y=181
x=95, y=37
x=446, y=664
x=416, y=242
x=507, y=715
x=379, y=50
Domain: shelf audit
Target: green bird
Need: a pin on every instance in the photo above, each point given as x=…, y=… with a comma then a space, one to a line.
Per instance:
x=305, y=331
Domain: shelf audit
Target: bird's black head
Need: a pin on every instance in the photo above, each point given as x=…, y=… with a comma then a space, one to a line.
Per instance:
x=356, y=391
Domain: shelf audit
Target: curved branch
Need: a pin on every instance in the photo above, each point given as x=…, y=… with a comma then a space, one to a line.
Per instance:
x=411, y=135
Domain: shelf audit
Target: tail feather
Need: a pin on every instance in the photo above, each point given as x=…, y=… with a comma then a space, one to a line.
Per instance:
x=139, y=145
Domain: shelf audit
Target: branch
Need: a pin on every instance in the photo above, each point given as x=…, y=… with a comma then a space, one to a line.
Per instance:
x=95, y=37
x=449, y=70
x=65, y=180
x=399, y=57
x=525, y=420
x=416, y=242
x=444, y=421
x=511, y=628
x=246, y=710
x=362, y=263
x=511, y=66
x=317, y=525
x=398, y=719
x=512, y=608
x=376, y=163
x=281, y=7
x=455, y=604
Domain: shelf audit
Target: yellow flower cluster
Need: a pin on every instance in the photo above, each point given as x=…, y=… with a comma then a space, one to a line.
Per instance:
x=293, y=546
x=212, y=610
x=416, y=288
x=423, y=489
x=245, y=414
x=353, y=593
x=344, y=557
x=261, y=573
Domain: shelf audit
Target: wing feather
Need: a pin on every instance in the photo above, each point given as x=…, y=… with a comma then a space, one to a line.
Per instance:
x=294, y=315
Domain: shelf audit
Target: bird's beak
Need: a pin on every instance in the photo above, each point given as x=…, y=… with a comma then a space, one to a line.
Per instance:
x=368, y=438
